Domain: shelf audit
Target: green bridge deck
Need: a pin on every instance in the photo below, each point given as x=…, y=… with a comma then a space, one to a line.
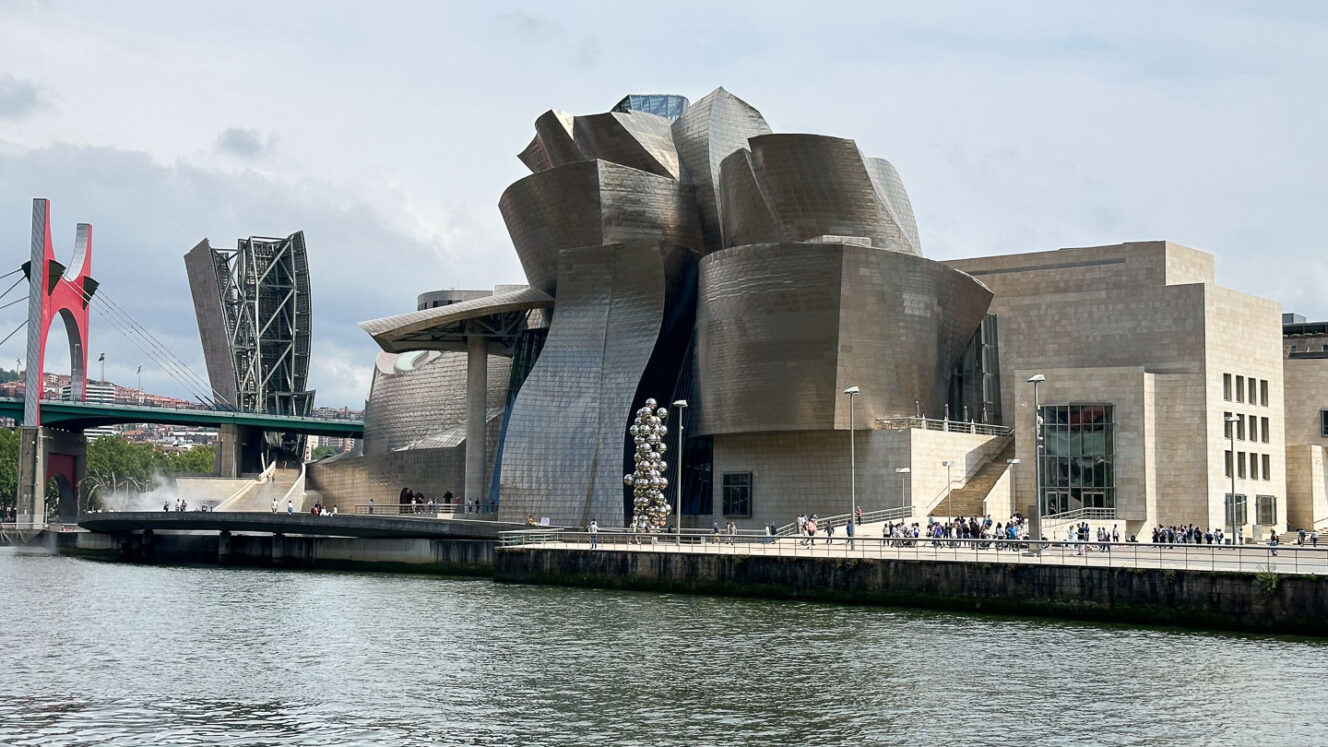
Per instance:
x=81, y=415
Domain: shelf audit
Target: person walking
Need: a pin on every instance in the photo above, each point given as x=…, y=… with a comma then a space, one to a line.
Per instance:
x=290, y=507
x=857, y=516
x=848, y=530
x=274, y=505
x=731, y=529
x=371, y=505
x=1272, y=542
x=594, y=534
x=714, y=532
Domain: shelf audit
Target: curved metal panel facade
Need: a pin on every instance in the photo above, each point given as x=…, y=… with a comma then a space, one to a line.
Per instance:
x=592, y=204
x=706, y=133
x=813, y=186
x=563, y=456
x=416, y=396
x=782, y=329
x=636, y=139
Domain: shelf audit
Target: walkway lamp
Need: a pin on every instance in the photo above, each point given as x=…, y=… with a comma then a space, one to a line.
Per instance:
x=1230, y=420
x=852, y=458
x=949, y=504
x=902, y=471
x=1038, y=448
x=681, y=405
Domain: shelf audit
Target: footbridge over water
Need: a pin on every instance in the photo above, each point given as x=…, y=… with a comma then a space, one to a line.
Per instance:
x=322, y=525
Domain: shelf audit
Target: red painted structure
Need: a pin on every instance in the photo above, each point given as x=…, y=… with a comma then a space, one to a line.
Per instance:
x=54, y=289
x=66, y=296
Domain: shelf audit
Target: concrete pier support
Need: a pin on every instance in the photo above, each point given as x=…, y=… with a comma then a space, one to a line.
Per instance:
x=31, y=478
x=224, y=548
x=477, y=388
x=239, y=451
x=46, y=453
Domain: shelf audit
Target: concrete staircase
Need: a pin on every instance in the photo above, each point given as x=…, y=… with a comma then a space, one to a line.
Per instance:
x=968, y=500
x=261, y=496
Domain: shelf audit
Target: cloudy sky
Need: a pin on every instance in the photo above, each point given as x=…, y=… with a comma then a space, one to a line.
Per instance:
x=387, y=132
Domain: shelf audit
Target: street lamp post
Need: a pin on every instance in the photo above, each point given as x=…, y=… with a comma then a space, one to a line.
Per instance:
x=852, y=458
x=1038, y=447
x=902, y=471
x=1230, y=420
x=681, y=405
x=949, y=504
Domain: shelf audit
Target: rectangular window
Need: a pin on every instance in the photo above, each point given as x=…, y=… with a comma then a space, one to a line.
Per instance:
x=1254, y=428
x=1240, y=388
x=1263, y=392
x=1263, y=429
x=1265, y=507
x=1254, y=466
x=1226, y=387
x=1228, y=470
x=1254, y=390
x=738, y=494
x=1238, y=508
x=1240, y=464
x=1226, y=425
x=1267, y=464
x=1240, y=427
x=1323, y=422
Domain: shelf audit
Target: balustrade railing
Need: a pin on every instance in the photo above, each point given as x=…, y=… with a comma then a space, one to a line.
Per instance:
x=941, y=424
x=1196, y=557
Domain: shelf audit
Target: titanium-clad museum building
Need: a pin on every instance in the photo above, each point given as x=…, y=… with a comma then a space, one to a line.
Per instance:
x=686, y=252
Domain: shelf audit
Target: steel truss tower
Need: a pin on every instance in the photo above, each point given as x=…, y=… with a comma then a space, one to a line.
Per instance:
x=255, y=321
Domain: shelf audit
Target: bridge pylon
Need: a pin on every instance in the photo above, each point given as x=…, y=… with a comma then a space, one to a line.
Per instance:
x=64, y=291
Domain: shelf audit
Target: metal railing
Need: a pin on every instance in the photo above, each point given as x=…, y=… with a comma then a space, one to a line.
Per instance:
x=1282, y=559
x=1080, y=514
x=399, y=509
x=949, y=426
x=839, y=520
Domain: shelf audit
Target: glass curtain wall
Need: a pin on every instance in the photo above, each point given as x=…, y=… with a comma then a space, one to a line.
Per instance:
x=1078, y=461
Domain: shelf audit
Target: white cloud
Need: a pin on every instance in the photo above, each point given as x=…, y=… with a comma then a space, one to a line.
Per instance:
x=1017, y=127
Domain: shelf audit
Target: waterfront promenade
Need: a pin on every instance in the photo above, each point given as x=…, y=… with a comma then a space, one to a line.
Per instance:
x=1289, y=559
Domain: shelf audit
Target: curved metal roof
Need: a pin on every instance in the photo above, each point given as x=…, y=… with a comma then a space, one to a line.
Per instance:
x=499, y=317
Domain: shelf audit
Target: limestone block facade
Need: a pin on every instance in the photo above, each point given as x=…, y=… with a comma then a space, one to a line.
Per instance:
x=1143, y=328
x=808, y=471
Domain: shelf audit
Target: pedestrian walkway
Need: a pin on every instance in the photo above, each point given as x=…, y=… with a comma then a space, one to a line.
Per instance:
x=1250, y=558
x=260, y=497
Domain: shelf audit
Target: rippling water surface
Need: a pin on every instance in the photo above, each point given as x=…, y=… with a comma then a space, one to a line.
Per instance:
x=101, y=653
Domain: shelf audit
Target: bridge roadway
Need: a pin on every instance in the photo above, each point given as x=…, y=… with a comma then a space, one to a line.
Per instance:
x=81, y=415
x=340, y=525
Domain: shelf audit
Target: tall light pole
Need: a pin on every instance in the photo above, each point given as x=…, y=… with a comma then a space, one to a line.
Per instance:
x=681, y=405
x=1230, y=420
x=852, y=458
x=949, y=504
x=902, y=471
x=1038, y=448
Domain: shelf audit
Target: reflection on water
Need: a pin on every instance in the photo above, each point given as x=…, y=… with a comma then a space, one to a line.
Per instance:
x=101, y=653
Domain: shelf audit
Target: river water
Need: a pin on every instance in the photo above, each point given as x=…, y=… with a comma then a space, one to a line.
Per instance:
x=105, y=653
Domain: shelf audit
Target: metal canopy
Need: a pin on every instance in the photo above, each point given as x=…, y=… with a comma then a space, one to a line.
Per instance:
x=500, y=318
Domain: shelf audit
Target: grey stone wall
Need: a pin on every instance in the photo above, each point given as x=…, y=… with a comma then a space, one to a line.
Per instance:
x=1231, y=601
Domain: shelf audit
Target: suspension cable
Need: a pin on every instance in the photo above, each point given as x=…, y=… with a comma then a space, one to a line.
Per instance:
x=108, y=304
x=16, y=329
x=12, y=287
x=150, y=347
x=11, y=303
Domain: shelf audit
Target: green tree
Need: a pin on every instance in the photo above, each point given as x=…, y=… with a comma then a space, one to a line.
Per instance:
x=322, y=452
x=8, y=468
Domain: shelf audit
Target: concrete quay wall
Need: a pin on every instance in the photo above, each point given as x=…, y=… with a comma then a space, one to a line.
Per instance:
x=1266, y=603
x=437, y=556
